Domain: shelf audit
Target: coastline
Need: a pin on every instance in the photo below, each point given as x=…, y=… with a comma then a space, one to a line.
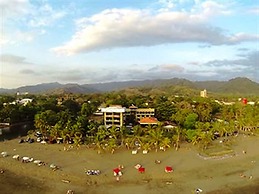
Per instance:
x=190, y=171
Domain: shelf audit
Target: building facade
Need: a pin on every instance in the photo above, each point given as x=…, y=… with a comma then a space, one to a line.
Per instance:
x=113, y=116
x=144, y=112
x=118, y=116
x=203, y=93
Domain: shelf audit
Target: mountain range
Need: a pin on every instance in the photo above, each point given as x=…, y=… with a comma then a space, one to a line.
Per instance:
x=239, y=85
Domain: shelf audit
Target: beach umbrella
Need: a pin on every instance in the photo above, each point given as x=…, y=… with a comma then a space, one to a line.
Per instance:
x=141, y=169
x=244, y=101
x=116, y=171
x=137, y=166
x=168, y=169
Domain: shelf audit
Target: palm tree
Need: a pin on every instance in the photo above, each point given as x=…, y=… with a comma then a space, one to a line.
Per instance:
x=122, y=135
x=216, y=128
x=146, y=145
x=41, y=123
x=65, y=135
x=165, y=143
x=113, y=132
x=30, y=133
x=100, y=137
x=92, y=130
x=196, y=137
x=54, y=132
x=155, y=136
x=135, y=137
x=77, y=138
x=112, y=145
x=206, y=139
x=176, y=138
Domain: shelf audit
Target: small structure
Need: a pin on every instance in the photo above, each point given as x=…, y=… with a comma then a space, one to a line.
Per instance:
x=26, y=159
x=38, y=162
x=203, y=93
x=25, y=101
x=93, y=172
x=70, y=191
x=141, y=169
x=145, y=151
x=4, y=154
x=148, y=121
x=168, y=169
x=198, y=190
x=16, y=157
x=137, y=166
x=134, y=152
x=117, y=172
x=244, y=100
x=53, y=167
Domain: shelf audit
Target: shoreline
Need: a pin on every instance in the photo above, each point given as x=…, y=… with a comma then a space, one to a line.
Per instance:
x=190, y=170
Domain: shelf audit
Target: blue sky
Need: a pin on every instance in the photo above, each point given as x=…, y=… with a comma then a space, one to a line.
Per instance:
x=92, y=41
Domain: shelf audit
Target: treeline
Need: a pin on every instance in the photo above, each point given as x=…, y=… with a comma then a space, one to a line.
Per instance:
x=71, y=118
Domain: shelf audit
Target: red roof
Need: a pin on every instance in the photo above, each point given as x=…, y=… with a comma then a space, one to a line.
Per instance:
x=148, y=120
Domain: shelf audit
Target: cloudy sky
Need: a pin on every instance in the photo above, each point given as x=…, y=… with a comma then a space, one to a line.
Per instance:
x=90, y=41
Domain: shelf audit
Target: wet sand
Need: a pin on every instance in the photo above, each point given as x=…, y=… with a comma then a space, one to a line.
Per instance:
x=236, y=174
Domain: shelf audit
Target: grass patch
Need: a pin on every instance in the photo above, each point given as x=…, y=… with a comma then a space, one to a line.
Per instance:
x=217, y=151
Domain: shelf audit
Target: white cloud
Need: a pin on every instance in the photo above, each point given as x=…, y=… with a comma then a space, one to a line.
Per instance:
x=28, y=72
x=241, y=37
x=13, y=59
x=13, y=8
x=212, y=8
x=245, y=66
x=115, y=28
x=3, y=40
x=254, y=10
x=168, y=67
x=45, y=15
x=166, y=4
x=22, y=20
x=16, y=36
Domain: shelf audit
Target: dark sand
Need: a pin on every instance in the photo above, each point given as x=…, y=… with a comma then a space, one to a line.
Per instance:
x=234, y=174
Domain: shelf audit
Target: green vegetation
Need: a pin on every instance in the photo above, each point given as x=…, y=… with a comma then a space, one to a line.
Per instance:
x=198, y=121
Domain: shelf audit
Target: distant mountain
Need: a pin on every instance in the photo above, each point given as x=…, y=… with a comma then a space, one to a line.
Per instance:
x=239, y=85
x=39, y=88
x=72, y=88
x=112, y=86
x=234, y=86
x=51, y=88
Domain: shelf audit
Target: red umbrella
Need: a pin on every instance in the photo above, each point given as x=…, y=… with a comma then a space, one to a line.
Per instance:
x=168, y=169
x=141, y=170
x=116, y=171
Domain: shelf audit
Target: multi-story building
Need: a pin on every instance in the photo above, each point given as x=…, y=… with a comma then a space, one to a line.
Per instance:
x=144, y=112
x=117, y=115
x=113, y=115
x=203, y=93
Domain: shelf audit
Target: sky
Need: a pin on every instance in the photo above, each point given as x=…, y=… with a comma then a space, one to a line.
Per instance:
x=96, y=41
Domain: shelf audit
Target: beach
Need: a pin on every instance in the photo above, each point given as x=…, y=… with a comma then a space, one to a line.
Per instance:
x=237, y=173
